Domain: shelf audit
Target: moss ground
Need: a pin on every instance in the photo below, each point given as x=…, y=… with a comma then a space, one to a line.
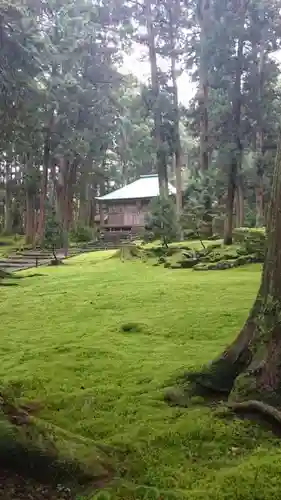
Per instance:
x=63, y=343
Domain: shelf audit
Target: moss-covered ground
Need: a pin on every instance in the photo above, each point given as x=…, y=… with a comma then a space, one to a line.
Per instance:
x=96, y=342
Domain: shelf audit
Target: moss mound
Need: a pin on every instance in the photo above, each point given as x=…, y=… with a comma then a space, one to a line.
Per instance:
x=128, y=251
x=131, y=328
x=45, y=452
x=4, y=274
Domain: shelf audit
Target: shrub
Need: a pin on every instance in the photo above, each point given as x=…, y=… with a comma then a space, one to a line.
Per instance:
x=161, y=220
x=82, y=234
x=253, y=240
x=190, y=234
x=53, y=235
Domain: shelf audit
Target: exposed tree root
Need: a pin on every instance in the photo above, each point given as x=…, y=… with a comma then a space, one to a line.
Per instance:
x=253, y=406
x=43, y=451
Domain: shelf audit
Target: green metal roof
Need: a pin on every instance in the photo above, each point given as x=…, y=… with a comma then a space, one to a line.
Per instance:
x=145, y=187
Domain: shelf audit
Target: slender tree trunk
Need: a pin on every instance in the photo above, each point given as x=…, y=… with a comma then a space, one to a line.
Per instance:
x=30, y=197
x=177, y=146
x=44, y=181
x=83, y=212
x=250, y=368
x=260, y=219
x=92, y=204
x=240, y=203
x=8, y=226
x=236, y=152
x=160, y=150
x=203, y=14
x=102, y=215
x=65, y=192
x=204, y=22
x=30, y=218
x=230, y=203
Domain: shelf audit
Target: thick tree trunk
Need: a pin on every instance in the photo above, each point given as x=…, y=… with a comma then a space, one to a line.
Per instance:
x=250, y=369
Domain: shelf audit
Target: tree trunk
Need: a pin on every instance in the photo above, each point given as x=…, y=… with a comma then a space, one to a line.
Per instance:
x=250, y=368
x=228, y=227
x=65, y=193
x=260, y=220
x=44, y=181
x=204, y=22
x=240, y=207
x=203, y=14
x=30, y=219
x=259, y=201
x=236, y=152
x=8, y=226
x=157, y=117
x=177, y=145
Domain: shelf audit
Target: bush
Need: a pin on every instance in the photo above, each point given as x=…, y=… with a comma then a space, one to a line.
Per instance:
x=253, y=240
x=161, y=220
x=190, y=234
x=82, y=234
x=241, y=233
x=53, y=235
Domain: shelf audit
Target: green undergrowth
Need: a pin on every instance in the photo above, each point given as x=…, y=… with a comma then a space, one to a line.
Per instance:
x=205, y=256
x=37, y=448
x=96, y=343
x=9, y=244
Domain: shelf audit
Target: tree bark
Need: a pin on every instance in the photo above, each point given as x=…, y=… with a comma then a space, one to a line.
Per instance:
x=240, y=207
x=231, y=188
x=44, y=181
x=250, y=368
x=177, y=139
x=8, y=226
x=157, y=117
x=236, y=152
x=260, y=220
x=30, y=218
x=65, y=193
x=204, y=20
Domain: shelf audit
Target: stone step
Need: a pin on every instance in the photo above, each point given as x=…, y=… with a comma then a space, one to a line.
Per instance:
x=11, y=265
x=27, y=258
x=34, y=255
x=22, y=262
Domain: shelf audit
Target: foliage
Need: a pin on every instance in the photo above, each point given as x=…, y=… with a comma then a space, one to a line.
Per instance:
x=53, y=235
x=81, y=234
x=161, y=220
x=252, y=239
x=188, y=317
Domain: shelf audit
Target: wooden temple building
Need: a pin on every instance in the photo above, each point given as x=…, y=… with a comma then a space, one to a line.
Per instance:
x=125, y=209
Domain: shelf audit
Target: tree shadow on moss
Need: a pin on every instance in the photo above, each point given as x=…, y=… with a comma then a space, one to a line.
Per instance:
x=41, y=451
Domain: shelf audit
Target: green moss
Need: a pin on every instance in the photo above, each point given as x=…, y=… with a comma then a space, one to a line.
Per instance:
x=106, y=388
